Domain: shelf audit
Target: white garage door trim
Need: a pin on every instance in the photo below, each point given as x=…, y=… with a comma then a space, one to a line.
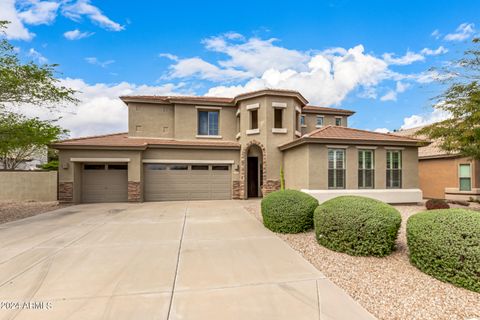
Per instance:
x=178, y=181
x=189, y=161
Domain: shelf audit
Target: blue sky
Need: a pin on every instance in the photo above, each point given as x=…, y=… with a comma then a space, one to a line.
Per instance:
x=372, y=57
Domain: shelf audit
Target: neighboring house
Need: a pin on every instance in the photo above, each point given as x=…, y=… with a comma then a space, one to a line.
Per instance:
x=445, y=175
x=32, y=163
x=182, y=148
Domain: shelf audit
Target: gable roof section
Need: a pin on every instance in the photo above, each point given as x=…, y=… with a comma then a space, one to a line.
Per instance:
x=122, y=141
x=432, y=150
x=336, y=134
x=324, y=110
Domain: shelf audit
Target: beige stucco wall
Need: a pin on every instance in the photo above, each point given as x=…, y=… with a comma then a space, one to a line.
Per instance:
x=150, y=120
x=311, y=121
x=186, y=123
x=317, y=163
x=28, y=185
x=295, y=168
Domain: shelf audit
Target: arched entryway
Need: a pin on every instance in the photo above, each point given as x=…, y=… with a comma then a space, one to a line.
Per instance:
x=253, y=170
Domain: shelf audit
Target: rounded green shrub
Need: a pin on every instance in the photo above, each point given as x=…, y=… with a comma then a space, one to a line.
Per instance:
x=288, y=211
x=446, y=245
x=358, y=226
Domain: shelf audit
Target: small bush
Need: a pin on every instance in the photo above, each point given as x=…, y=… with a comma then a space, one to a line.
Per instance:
x=446, y=245
x=358, y=226
x=288, y=211
x=434, y=204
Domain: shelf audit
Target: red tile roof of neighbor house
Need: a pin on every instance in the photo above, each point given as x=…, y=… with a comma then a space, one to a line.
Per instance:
x=433, y=150
x=316, y=109
x=343, y=134
x=121, y=140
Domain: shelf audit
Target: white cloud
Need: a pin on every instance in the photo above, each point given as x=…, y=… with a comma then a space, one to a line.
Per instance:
x=77, y=34
x=37, y=56
x=255, y=55
x=463, y=32
x=418, y=120
x=391, y=95
x=327, y=81
x=168, y=56
x=100, y=110
x=201, y=69
x=436, y=34
x=84, y=8
x=95, y=61
x=436, y=52
x=37, y=12
x=21, y=13
x=381, y=130
x=409, y=58
x=15, y=29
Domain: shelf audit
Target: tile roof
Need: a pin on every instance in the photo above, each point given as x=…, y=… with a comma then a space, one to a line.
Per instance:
x=342, y=134
x=122, y=140
x=169, y=99
x=433, y=150
x=316, y=109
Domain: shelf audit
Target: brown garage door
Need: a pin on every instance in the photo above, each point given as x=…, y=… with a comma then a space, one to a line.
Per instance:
x=105, y=182
x=187, y=182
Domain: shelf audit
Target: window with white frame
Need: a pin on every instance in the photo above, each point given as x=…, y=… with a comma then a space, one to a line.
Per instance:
x=336, y=168
x=319, y=121
x=394, y=169
x=208, y=122
x=465, y=177
x=366, y=171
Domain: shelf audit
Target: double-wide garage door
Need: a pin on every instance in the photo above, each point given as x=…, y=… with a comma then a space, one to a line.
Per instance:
x=105, y=182
x=187, y=182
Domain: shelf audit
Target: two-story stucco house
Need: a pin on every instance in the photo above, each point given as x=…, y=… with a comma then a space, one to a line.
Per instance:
x=182, y=148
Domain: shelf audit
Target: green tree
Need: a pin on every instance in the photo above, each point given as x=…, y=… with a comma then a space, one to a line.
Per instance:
x=28, y=83
x=461, y=132
x=21, y=138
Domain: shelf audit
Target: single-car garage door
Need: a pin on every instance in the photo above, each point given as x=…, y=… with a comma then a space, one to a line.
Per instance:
x=105, y=182
x=187, y=182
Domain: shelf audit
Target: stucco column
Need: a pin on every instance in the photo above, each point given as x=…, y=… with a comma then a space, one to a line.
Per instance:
x=135, y=172
x=380, y=168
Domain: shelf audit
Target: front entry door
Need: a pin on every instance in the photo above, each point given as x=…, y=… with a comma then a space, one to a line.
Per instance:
x=252, y=178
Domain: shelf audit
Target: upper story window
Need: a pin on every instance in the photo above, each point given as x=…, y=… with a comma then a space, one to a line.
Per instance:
x=302, y=120
x=278, y=118
x=208, y=123
x=254, y=119
x=366, y=167
x=394, y=169
x=338, y=121
x=319, y=121
x=465, y=177
x=336, y=168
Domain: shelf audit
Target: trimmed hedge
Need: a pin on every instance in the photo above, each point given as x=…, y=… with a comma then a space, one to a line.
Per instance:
x=434, y=204
x=446, y=245
x=358, y=226
x=288, y=211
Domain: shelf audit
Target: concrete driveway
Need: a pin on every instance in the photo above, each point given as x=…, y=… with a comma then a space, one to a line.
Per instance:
x=169, y=260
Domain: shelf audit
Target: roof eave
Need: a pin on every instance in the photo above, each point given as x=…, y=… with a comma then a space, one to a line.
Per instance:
x=306, y=140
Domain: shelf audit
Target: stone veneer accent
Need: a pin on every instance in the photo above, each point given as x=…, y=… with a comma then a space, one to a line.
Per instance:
x=243, y=165
x=270, y=186
x=236, y=190
x=65, y=192
x=134, y=191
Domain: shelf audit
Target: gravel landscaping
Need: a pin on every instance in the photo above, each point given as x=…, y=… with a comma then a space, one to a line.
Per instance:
x=389, y=287
x=11, y=211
